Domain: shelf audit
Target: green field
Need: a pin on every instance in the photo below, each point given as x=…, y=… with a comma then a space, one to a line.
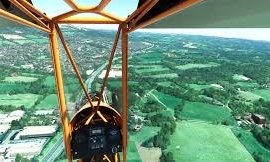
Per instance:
x=144, y=134
x=50, y=102
x=147, y=66
x=168, y=100
x=70, y=83
x=50, y=81
x=206, y=112
x=20, y=79
x=202, y=142
x=138, y=137
x=198, y=87
x=151, y=70
x=117, y=83
x=264, y=93
x=165, y=84
x=249, y=96
x=31, y=75
x=168, y=75
x=151, y=57
x=192, y=66
x=28, y=100
x=7, y=86
x=251, y=144
x=133, y=155
x=247, y=85
x=114, y=83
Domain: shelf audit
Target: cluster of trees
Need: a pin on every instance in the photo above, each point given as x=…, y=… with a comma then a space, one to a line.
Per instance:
x=188, y=94
x=20, y=158
x=178, y=109
x=262, y=107
x=21, y=123
x=239, y=107
x=222, y=95
x=162, y=139
x=9, y=108
x=166, y=157
x=151, y=106
x=262, y=135
x=258, y=157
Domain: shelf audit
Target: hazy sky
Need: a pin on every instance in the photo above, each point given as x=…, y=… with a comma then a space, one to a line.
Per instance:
x=128, y=6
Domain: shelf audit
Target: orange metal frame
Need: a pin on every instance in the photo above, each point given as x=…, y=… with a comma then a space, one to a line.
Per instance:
x=50, y=26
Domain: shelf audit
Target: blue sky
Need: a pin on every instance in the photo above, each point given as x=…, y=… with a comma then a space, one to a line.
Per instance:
x=123, y=8
x=120, y=8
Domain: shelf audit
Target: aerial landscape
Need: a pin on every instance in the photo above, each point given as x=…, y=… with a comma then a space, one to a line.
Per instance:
x=191, y=98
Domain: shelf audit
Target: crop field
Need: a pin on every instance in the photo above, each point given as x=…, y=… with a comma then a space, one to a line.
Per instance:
x=144, y=69
x=165, y=84
x=144, y=134
x=168, y=100
x=50, y=81
x=20, y=79
x=203, y=142
x=151, y=62
x=247, y=85
x=4, y=87
x=148, y=66
x=198, y=87
x=251, y=144
x=206, y=112
x=192, y=66
x=117, y=83
x=168, y=75
x=264, y=93
x=68, y=81
x=31, y=75
x=50, y=102
x=28, y=100
x=249, y=96
x=150, y=58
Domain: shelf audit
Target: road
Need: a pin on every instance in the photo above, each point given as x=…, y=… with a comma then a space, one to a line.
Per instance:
x=55, y=151
x=7, y=139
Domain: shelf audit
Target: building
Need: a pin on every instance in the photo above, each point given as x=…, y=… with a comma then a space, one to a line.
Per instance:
x=36, y=132
x=258, y=119
x=113, y=74
x=26, y=148
x=3, y=117
x=13, y=116
x=44, y=112
x=4, y=128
